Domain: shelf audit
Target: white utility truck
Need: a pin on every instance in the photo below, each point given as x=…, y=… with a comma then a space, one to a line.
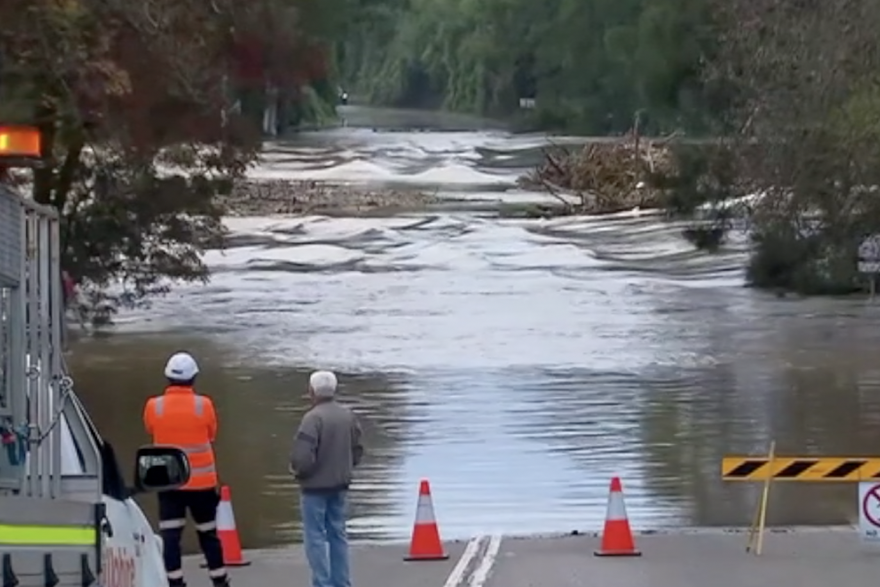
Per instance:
x=67, y=517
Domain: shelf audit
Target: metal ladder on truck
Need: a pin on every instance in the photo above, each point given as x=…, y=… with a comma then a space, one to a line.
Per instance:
x=50, y=520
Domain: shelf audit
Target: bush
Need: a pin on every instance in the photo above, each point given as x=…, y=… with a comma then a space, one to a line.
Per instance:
x=810, y=262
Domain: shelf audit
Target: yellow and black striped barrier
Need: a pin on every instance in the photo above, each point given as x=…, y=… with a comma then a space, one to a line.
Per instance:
x=813, y=469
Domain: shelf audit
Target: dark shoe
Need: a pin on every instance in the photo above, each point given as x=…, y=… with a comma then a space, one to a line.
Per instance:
x=176, y=583
x=224, y=582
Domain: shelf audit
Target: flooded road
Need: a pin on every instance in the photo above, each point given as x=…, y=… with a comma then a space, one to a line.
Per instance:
x=516, y=364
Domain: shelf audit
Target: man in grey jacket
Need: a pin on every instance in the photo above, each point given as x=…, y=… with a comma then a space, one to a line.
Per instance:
x=326, y=449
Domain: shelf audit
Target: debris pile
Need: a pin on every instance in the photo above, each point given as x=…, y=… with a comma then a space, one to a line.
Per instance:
x=282, y=197
x=604, y=177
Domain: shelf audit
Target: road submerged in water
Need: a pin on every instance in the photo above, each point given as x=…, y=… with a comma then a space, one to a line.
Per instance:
x=517, y=364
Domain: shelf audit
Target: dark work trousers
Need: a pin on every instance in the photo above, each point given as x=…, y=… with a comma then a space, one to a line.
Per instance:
x=202, y=506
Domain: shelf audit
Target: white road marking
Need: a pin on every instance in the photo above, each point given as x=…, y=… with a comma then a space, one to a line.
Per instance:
x=470, y=551
x=481, y=574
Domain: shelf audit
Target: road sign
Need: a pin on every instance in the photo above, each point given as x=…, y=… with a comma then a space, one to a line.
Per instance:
x=869, y=249
x=869, y=512
x=827, y=469
x=869, y=254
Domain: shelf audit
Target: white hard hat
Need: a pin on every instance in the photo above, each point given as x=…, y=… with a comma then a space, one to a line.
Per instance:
x=323, y=383
x=181, y=367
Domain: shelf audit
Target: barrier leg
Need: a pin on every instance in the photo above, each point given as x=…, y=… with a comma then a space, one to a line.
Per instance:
x=761, y=513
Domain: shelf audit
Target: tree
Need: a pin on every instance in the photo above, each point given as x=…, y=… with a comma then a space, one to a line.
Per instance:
x=590, y=64
x=806, y=76
x=133, y=102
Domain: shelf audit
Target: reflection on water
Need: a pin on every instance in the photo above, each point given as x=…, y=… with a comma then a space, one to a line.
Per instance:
x=518, y=450
x=258, y=410
x=516, y=364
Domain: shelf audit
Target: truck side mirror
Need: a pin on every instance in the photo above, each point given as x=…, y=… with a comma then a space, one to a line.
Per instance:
x=160, y=468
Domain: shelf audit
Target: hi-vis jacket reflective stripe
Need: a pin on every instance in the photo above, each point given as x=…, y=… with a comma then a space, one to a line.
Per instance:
x=16, y=535
x=184, y=419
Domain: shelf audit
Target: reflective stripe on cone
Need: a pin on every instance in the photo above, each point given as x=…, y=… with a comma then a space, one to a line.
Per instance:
x=617, y=537
x=425, y=543
x=227, y=532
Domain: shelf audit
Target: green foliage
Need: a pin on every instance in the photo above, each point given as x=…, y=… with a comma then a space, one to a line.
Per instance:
x=125, y=222
x=704, y=178
x=314, y=106
x=793, y=89
x=139, y=136
x=810, y=262
x=702, y=186
x=590, y=64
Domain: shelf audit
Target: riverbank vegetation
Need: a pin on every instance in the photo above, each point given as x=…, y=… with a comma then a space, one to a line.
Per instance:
x=793, y=159
x=803, y=78
x=150, y=111
x=140, y=109
x=588, y=64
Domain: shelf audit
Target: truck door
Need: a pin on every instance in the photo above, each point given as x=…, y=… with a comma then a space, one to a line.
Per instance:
x=121, y=546
x=150, y=565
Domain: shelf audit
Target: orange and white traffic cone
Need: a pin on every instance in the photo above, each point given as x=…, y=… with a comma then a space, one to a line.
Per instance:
x=227, y=531
x=425, y=544
x=617, y=537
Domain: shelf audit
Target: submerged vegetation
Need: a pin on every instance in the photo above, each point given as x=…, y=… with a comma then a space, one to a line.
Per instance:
x=786, y=89
x=151, y=112
x=803, y=79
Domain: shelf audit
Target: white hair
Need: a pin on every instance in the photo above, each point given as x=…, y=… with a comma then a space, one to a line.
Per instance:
x=323, y=383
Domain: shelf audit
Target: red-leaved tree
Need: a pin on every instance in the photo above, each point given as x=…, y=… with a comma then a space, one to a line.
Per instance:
x=134, y=99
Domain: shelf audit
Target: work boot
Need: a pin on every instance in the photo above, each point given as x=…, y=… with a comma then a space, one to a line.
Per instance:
x=176, y=583
x=222, y=582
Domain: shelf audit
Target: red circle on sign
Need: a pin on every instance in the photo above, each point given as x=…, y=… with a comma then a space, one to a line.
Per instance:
x=874, y=492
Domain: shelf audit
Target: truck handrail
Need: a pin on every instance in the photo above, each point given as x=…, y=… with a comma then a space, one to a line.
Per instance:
x=38, y=388
x=51, y=529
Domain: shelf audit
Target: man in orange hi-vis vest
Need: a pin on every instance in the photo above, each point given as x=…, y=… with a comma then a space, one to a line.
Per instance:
x=182, y=418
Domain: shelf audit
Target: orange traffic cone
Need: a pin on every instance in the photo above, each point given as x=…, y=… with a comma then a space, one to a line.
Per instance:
x=227, y=531
x=617, y=538
x=425, y=544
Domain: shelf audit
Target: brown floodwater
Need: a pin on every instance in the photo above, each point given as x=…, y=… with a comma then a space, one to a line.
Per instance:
x=517, y=365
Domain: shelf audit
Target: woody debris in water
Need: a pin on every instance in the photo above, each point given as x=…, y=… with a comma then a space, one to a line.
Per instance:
x=280, y=197
x=604, y=177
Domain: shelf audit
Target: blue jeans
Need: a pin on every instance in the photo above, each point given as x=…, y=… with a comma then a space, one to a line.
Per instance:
x=325, y=539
